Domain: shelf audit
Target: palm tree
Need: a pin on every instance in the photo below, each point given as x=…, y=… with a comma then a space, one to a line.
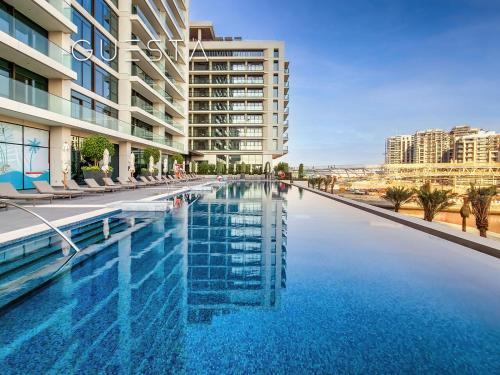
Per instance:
x=334, y=180
x=327, y=181
x=433, y=201
x=480, y=200
x=398, y=196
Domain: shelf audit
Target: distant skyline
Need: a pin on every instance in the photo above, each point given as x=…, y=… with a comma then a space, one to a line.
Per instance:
x=361, y=71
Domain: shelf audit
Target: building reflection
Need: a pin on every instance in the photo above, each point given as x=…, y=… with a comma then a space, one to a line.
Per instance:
x=126, y=309
x=236, y=251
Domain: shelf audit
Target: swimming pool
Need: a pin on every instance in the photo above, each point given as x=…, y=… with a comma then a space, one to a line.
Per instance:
x=260, y=278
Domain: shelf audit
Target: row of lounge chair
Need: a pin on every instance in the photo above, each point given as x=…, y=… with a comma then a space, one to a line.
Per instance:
x=47, y=192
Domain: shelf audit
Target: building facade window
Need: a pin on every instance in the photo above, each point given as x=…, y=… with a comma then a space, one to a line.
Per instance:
x=276, y=53
x=105, y=50
x=106, y=17
x=276, y=66
x=106, y=85
x=84, y=29
x=83, y=70
x=275, y=92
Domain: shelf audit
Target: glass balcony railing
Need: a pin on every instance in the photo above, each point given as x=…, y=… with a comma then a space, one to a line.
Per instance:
x=137, y=11
x=23, y=93
x=63, y=6
x=136, y=101
x=138, y=72
x=287, y=97
x=35, y=40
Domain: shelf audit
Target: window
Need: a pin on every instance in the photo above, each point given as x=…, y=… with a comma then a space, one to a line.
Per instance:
x=237, y=92
x=275, y=144
x=275, y=105
x=254, y=132
x=276, y=66
x=275, y=92
x=106, y=109
x=276, y=53
x=106, y=85
x=83, y=70
x=275, y=132
x=238, y=79
x=30, y=33
x=275, y=118
x=106, y=51
x=106, y=17
x=87, y=5
x=255, y=92
x=237, y=119
x=275, y=79
x=81, y=106
x=255, y=66
x=84, y=30
x=255, y=119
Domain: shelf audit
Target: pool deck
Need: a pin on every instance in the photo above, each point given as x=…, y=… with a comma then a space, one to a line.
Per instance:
x=15, y=223
x=484, y=245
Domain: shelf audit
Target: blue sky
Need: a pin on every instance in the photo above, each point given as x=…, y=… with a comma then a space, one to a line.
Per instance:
x=362, y=70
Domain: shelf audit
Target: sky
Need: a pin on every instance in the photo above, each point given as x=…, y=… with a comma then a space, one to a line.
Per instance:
x=362, y=70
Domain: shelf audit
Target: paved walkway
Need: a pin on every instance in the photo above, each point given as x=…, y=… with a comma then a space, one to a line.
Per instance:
x=14, y=219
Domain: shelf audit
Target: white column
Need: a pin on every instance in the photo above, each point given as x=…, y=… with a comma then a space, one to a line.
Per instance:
x=125, y=148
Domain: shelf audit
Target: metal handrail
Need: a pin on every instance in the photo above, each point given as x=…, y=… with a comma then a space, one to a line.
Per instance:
x=64, y=237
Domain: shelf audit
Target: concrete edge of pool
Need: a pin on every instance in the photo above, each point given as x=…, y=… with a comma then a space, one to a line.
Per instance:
x=483, y=245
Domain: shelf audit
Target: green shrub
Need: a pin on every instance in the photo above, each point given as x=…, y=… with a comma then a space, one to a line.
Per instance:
x=211, y=168
x=178, y=158
x=221, y=168
x=203, y=167
x=93, y=148
x=231, y=169
x=94, y=168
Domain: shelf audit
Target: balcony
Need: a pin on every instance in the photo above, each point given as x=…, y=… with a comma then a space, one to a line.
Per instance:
x=52, y=15
x=146, y=86
x=29, y=103
x=285, y=123
x=285, y=149
x=285, y=138
x=147, y=113
x=37, y=53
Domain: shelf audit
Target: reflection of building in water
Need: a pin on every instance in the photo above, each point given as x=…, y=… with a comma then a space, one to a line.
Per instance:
x=121, y=311
x=237, y=249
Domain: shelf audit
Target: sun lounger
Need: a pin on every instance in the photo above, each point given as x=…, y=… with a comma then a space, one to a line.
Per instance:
x=110, y=183
x=9, y=192
x=146, y=181
x=126, y=183
x=153, y=180
x=138, y=183
x=43, y=187
x=93, y=184
x=74, y=186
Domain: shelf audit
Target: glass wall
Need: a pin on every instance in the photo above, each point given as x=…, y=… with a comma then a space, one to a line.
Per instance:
x=24, y=155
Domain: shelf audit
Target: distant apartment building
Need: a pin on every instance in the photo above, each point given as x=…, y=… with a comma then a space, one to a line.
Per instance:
x=238, y=99
x=399, y=149
x=463, y=144
x=70, y=69
x=431, y=146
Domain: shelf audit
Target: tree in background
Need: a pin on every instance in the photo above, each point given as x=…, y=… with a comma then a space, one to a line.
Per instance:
x=480, y=200
x=281, y=167
x=398, y=196
x=152, y=151
x=433, y=201
x=301, y=171
x=93, y=148
x=178, y=158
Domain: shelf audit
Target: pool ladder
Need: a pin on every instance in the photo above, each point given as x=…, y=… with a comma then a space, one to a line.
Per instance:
x=61, y=234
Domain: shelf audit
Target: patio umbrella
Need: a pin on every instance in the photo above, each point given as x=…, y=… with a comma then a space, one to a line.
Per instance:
x=105, y=161
x=151, y=164
x=165, y=165
x=66, y=162
x=131, y=163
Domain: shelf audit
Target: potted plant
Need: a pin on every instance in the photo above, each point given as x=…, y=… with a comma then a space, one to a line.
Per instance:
x=93, y=149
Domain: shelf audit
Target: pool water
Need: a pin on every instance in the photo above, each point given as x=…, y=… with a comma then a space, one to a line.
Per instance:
x=261, y=278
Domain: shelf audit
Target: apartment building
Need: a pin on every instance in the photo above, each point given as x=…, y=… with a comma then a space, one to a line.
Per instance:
x=431, y=146
x=238, y=99
x=74, y=68
x=463, y=144
x=399, y=149
x=481, y=147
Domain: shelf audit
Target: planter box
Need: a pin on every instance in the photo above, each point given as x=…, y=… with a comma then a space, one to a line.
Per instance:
x=96, y=175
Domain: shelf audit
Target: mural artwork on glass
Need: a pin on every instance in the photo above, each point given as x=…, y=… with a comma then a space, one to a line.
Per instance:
x=11, y=154
x=36, y=156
